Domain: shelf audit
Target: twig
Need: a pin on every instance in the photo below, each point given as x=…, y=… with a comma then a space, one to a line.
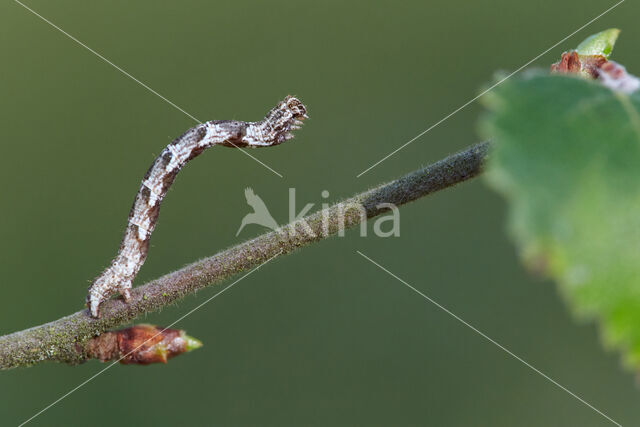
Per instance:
x=64, y=340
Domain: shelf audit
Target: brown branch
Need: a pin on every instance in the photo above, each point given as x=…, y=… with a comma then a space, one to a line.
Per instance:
x=64, y=340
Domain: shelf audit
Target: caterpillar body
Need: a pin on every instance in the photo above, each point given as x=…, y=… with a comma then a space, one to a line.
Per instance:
x=274, y=129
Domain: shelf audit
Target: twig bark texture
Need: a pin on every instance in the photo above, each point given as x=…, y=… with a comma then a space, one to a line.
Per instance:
x=64, y=340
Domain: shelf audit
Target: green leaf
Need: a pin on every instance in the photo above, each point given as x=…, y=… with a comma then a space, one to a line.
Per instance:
x=600, y=43
x=566, y=155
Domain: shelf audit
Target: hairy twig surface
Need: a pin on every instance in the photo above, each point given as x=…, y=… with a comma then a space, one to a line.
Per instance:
x=65, y=339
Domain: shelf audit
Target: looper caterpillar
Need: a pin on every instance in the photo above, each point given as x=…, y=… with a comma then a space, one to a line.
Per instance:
x=274, y=129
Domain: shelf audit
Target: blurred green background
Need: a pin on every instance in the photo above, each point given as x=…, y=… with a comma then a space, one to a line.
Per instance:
x=321, y=337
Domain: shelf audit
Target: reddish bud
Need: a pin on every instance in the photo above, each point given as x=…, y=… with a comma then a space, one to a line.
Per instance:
x=141, y=345
x=571, y=62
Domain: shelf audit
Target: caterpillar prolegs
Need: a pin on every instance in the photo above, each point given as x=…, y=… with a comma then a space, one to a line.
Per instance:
x=274, y=129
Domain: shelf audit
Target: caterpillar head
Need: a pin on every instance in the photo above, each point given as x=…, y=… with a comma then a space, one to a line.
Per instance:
x=297, y=109
x=288, y=115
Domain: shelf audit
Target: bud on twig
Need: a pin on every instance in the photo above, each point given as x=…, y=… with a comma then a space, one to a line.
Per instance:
x=141, y=345
x=591, y=60
x=589, y=56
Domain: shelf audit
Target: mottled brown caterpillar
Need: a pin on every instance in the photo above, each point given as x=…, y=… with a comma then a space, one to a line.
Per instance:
x=274, y=129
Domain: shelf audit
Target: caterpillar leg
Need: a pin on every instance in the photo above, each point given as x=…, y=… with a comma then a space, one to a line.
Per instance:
x=104, y=287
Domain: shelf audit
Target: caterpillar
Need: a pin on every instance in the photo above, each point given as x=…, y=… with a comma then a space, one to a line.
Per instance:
x=274, y=129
